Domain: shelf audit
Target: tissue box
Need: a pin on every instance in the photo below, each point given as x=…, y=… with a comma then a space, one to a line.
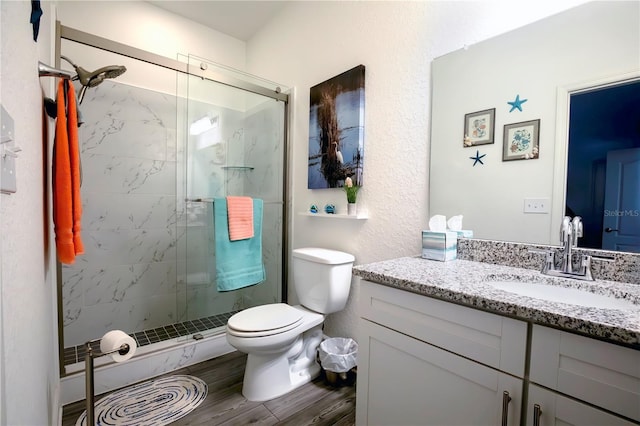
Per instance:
x=465, y=233
x=441, y=246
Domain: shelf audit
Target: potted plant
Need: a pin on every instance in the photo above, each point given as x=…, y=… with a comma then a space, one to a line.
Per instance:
x=352, y=195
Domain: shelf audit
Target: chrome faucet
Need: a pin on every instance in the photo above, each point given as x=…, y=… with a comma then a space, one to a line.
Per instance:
x=567, y=239
x=570, y=231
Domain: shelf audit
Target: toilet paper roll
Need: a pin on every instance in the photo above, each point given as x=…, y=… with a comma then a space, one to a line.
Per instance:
x=113, y=340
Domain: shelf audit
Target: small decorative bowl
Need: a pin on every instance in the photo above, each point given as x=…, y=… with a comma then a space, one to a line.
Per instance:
x=329, y=209
x=313, y=208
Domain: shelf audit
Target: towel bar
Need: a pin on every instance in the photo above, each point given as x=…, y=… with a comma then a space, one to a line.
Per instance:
x=211, y=200
x=199, y=200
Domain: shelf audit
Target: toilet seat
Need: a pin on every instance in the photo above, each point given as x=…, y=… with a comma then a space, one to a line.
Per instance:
x=265, y=320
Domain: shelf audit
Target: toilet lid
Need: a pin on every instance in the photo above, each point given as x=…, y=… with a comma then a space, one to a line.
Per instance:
x=265, y=317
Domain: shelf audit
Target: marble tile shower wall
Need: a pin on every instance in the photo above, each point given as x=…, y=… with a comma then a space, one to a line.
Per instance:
x=127, y=277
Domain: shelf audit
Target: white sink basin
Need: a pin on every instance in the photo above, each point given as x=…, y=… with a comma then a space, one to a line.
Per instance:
x=554, y=293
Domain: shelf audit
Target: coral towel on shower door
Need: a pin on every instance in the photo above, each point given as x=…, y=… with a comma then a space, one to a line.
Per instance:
x=240, y=217
x=67, y=205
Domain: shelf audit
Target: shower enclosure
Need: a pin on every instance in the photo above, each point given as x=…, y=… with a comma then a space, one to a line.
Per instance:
x=158, y=144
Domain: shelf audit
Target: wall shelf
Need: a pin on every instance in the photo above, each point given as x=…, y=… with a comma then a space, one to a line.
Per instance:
x=359, y=216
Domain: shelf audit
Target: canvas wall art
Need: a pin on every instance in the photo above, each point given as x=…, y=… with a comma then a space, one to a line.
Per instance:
x=336, y=130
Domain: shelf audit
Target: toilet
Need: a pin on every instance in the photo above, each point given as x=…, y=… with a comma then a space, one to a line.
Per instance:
x=281, y=340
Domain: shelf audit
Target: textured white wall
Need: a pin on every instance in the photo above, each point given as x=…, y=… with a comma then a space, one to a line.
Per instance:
x=30, y=382
x=309, y=42
x=147, y=27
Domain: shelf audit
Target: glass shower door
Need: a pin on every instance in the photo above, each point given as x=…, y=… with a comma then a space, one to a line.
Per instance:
x=150, y=174
x=233, y=143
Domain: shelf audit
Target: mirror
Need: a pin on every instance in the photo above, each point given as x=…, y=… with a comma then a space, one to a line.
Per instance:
x=539, y=67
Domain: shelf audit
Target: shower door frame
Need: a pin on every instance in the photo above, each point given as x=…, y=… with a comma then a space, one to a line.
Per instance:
x=87, y=39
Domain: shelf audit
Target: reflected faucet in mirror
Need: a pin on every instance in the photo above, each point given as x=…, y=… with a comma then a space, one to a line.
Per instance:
x=570, y=231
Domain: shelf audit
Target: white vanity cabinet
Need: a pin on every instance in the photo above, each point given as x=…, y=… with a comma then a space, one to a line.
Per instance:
x=423, y=361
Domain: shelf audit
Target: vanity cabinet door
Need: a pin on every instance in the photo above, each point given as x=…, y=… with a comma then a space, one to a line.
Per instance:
x=404, y=381
x=490, y=339
x=547, y=408
x=600, y=373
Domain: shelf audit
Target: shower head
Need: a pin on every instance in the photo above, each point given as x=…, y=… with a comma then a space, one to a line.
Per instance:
x=98, y=76
x=92, y=79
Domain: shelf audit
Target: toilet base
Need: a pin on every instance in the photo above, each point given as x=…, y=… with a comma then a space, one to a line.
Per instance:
x=268, y=376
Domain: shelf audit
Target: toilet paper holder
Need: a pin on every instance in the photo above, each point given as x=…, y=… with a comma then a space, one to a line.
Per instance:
x=90, y=354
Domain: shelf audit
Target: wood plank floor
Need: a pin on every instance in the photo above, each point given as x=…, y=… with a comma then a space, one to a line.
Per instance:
x=314, y=403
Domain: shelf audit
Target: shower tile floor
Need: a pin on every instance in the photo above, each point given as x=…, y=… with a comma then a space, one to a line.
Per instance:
x=76, y=354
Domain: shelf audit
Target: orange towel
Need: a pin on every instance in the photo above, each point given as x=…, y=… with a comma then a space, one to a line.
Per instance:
x=240, y=218
x=67, y=204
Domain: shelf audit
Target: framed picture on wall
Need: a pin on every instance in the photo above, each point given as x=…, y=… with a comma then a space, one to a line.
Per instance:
x=521, y=141
x=479, y=127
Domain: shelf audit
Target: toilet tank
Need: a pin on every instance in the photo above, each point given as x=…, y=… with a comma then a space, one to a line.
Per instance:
x=322, y=278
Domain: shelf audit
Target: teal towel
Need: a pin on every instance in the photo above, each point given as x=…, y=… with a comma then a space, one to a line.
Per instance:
x=238, y=263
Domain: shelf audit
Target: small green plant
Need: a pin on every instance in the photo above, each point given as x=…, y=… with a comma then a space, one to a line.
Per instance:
x=351, y=190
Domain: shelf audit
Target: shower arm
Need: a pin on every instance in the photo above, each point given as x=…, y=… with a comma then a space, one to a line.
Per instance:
x=45, y=70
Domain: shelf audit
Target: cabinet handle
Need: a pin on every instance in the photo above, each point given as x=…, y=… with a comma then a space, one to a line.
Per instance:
x=505, y=407
x=537, y=412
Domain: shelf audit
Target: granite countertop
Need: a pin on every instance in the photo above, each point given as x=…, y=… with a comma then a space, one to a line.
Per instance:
x=464, y=282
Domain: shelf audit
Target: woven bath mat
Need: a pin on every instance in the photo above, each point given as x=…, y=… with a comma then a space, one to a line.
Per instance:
x=153, y=403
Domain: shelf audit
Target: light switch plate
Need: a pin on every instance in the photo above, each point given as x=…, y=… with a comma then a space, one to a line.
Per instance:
x=7, y=160
x=536, y=205
x=7, y=174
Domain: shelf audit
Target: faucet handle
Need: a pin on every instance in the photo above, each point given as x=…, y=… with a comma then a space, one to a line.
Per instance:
x=585, y=267
x=585, y=264
x=550, y=258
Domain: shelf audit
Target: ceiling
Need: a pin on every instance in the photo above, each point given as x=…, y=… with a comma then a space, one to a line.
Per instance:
x=240, y=19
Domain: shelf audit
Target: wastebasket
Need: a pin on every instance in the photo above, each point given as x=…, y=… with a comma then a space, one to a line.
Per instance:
x=338, y=360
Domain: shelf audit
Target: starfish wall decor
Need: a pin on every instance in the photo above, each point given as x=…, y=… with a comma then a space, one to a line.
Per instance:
x=478, y=158
x=517, y=103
